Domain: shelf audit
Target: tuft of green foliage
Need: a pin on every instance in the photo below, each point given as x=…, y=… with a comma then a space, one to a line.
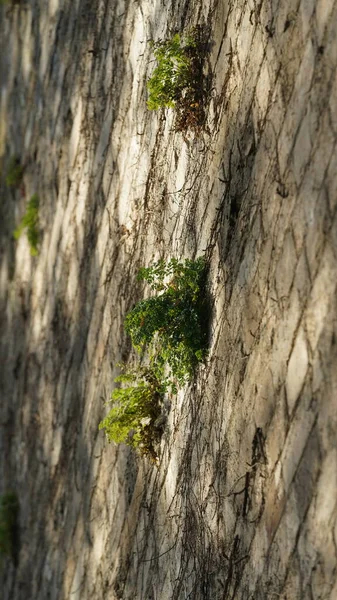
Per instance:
x=9, y=510
x=170, y=329
x=14, y=172
x=172, y=324
x=30, y=223
x=172, y=73
x=135, y=409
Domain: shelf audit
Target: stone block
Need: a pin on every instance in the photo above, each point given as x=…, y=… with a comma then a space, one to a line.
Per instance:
x=277, y=431
x=302, y=149
x=306, y=12
x=331, y=182
x=302, y=277
x=323, y=10
x=321, y=296
x=297, y=437
x=297, y=369
x=284, y=542
x=286, y=266
x=263, y=89
x=297, y=105
x=244, y=41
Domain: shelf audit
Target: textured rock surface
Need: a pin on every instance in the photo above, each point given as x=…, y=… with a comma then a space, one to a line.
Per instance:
x=243, y=503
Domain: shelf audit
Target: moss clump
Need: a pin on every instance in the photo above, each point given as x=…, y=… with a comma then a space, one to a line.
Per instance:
x=30, y=224
x=14, y=172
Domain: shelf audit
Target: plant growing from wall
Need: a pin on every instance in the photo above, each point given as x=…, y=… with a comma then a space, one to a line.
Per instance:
x=9, y=510
x=14, y=172
x=30, y=224
x=135, y=409
x=171, y=325
x=169, y=330
x=172, y=72
x=176, y=81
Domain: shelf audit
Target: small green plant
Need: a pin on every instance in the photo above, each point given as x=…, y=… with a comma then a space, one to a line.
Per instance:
x=169, y=329
x=9, y=510
x=135, y=409
x=14, y=172
x=30, y=223
x=171, y=74
x=177, y=80
x=172, y=324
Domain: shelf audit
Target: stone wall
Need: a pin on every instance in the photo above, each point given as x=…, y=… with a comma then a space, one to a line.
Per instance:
x=243, y=502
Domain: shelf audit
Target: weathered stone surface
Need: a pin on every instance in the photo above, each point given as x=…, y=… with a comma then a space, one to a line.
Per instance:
x=243, y=502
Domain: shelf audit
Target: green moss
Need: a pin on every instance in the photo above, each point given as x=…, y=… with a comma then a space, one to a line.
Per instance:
x=14, y=172
x=30, y=224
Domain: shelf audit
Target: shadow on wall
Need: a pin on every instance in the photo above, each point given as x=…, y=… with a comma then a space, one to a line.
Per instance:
x=44, y=381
